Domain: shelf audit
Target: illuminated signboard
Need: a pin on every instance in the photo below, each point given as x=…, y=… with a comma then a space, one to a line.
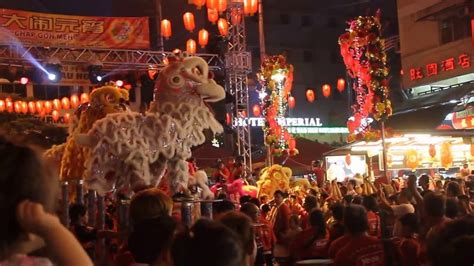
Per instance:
x=433, y=69
x=307, y=125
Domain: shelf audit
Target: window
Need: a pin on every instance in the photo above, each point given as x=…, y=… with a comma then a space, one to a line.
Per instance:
x=306, y=21
x=454, y=28
x=307, y=56
x=285, y=19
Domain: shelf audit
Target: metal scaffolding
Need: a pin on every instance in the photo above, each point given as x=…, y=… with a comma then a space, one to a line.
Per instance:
x=238, y=65
x=110, y=58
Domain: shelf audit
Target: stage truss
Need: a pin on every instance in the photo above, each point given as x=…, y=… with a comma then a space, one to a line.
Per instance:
x=109, y=58
x=238, y=65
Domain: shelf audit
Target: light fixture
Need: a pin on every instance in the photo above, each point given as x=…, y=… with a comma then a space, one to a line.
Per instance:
x=24, y=80
x=53, y=72
x=95, y=73
x=119, y=83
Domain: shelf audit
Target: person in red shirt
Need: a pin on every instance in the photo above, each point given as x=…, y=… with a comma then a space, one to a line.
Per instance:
x=317, y=167
x=222, y=173
x=312, y=242
x=408, y=245
x=356, y=247
x=370, y=204
x=280, y=219
x=310, y=203
x=263, y=233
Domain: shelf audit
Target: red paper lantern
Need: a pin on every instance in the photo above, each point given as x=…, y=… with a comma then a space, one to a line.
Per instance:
x=24, y=107
x=2, y=105
x=250, y=7
x=39, y=106
x=446, y=155
x=310, y=95
x=32, y=107
x=221, y=6
x=203, y=38
x=48, y=107
x=235, y=18
x=223, y=26
x=432, y=150
x=74, y=101
x=212, y=15
x=56, y=104
x=291, y=102
x=166, y=28
x=188, y=20
x=256, y=110
x=84, y=98
x=55, y=115
x=8, y=99
x=191, y=46
x=199, y=3
x=67, y=117
x=228, y=119
x=341, y=85
x=65, y=103
x=211, y=4
x=326, y=90
x=9, y=106
x=411, y=159
x=17, y=106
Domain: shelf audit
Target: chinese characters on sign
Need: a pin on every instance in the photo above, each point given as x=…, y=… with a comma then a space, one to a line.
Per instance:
x=433, y=69
x=75, y=31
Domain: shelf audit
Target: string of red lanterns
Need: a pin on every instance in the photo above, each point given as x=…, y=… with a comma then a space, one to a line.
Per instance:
x=223, y=26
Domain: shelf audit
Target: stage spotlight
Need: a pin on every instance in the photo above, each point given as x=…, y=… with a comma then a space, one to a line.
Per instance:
x=119, y=83
x=95, y=74
x=24, y=80
x=53, y=72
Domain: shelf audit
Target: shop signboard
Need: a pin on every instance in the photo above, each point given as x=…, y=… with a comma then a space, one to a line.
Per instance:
x=464, y=119
x=42, y=29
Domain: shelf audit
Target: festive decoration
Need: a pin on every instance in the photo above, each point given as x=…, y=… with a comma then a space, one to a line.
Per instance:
x=48, y=107
x=24, y=107
x=221, y=6
x=84, y=98
x=472, y=149
x=432, y=150
x=446, y=155
x=250, y=7
x=223, y=26
x=341, y=85
x=166, y=29
x=326, y=89
x=228, y=119
x=273, y=178
x=9, y=106
x=212, y=15
x=17, y=106
x=188, y=20
x=291, y=102
x=256, y=110
x=67, y=117
x=310, y=96
x=203, y=38
x=56, y=104
x=130, y=149
x=32, y=107
x=2, y=105
x=66, y=103
x=74, y=101
x=191, y=46
x=364, y=56
x=211, y=4
x=55, y=115
x=199, y=3
x=276, y=77
x=412, y=159
x=235, y=17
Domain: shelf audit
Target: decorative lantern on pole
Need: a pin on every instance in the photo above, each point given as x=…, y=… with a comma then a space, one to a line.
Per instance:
x=203, y=38
x=341, y=85
x=166, y=29
x=223, y=26
x=188, y=20
x=191, y=46
x=326, y=90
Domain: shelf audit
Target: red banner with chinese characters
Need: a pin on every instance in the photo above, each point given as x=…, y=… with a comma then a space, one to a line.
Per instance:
x=73, y=31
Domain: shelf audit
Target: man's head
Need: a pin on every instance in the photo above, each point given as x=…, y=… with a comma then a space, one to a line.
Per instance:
x=337, y=211
x=355, y=219
x=278, y=196
x=316, y=164
x=410, y=224
x=251, y=210
x=453, y=189
x=310, y=203
x=465, y=166
x=424, y=181
x=149, y=203
x=435, y=205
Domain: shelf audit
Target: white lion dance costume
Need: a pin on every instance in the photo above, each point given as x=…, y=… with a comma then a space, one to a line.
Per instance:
x=134, y=149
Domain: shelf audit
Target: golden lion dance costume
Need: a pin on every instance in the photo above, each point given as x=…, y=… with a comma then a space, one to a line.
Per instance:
x=70, y=157
x=273, y=178
x=132, y=149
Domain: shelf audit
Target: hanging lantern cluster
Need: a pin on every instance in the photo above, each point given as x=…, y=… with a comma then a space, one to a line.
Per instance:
x=223, y=27
x=276, y=78
x=221, y=6
x=166, y=29
x=212, y=15
x=250, y=7
x=43, y=108
x=362, y=49
x=188, y=20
